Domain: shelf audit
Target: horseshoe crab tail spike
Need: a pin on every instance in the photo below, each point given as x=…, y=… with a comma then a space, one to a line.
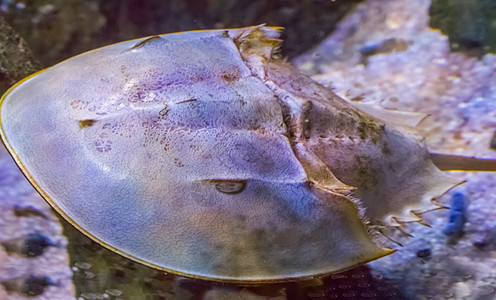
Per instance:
x=449, y=162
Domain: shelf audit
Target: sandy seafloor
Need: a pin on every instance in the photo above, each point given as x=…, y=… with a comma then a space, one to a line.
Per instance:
x=24, y=212
x=422, y=75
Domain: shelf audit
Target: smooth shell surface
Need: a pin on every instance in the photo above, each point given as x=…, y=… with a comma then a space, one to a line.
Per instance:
x=201, y=154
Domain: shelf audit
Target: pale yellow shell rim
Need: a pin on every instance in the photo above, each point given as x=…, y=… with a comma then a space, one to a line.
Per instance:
x=386, y=251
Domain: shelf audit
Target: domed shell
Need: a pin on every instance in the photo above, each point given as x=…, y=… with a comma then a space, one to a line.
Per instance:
x=201, y=154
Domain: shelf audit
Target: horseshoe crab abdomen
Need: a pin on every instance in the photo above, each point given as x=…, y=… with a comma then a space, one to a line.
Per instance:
x=387, y=163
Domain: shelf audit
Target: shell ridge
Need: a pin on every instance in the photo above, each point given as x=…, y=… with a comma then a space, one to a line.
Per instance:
x=312, y=165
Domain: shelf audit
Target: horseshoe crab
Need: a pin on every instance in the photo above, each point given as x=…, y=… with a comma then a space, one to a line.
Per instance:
x=204, y=154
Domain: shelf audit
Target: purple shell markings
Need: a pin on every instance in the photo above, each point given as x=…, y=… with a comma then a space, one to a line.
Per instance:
x=202, y=154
